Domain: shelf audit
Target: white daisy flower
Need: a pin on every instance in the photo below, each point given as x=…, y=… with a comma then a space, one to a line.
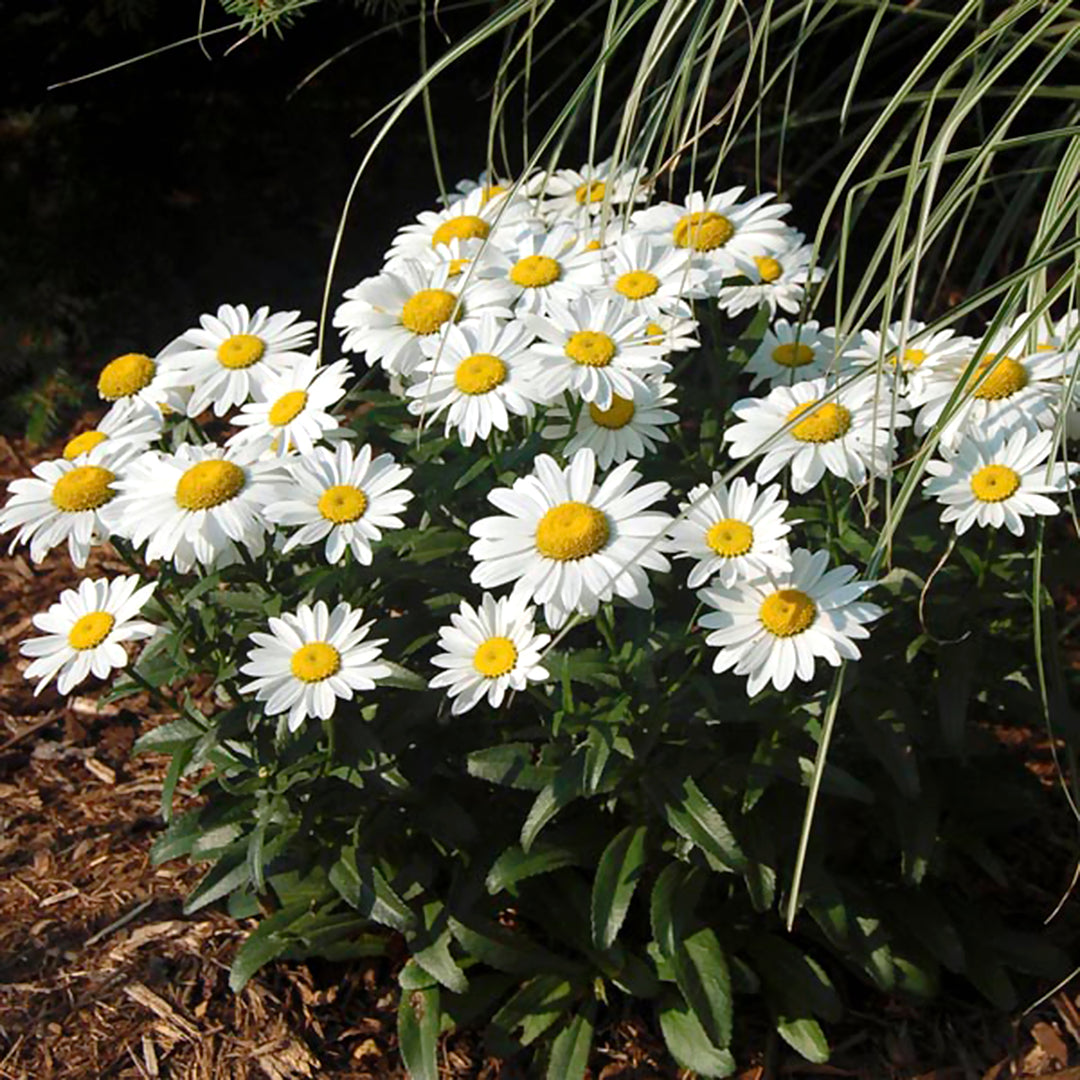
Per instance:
x=342, y=496
x=85, y=631
x=481, y=375
x=627, y=428
x=134, y=424
x=570, y=194
x=546, y=267
x=194, y=506
x=571, y=544
x=392, y=317
x=135, y=381
x=849, y=432
x=653, y=280
x=295, y=414
x=477, y=216
x=793, y=352
x=673, y=333
x=602, y=232
x=489, y=185
x=596, y=348
x=1005, y=392
x=312, y=658
x=777, y=280
x=232, y=355
x=66, y=501
x=774, y=627
x=488, y=651
x=997, y=481
x=922, y=351
x=719, y=228
x=735, y=533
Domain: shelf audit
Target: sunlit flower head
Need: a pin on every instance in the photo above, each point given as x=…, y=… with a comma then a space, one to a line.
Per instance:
x=488, y=651
x=133, y=424
x=997, y=481
x=569, y=543
x=912, y=352
x=673, y=333
x=775, y=627
x=778, y=280
x=311, y=659
x=85, y=631
x=136, y=382
x=344, y=496
x=650, y=279
x=573, y=194
x=793, y=352
x=735, y=533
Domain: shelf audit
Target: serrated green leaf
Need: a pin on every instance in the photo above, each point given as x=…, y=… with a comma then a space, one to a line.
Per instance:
x=401, y=677
x=569, y=1056
x=515, y=865
x=228, y=873
x=617, y=875
x=692, y=816
x=533, y=1008
x=418, y=1032
x=805, y=1037
x=563, y=788
x=701, y=973
x=431, y=949
x=364, y=888
x=510, y=765
x=168, y=737
x=688, y=1043
x=263, y=944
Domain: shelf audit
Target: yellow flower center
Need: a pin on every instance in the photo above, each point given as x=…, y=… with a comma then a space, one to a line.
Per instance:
x=535, y=271
x=315, y=661
x=1006, y=377
x=787, y=612
x=84, y=488
x=637, y=284
x=593, y=245
x=768, y=268
x=591, y=348
x=90, y=630
x=822, y=425
x=912, y=358
x=479, y=373
x=495, y=657
x=240, y=351
x=703, y=230
x=424, y=312
x=571, y=530
x=490, y=191
x=287, y=407
x=655, y=333
x=208, y=484
x=793, y=354
x=457, y=266
x=463, y=227
x=84, y=443
x=591, y=192
x=342, y=503
x=1044, y=347
x=730, y=537
x=994, y=483
x=617, y=415
x=126, y=375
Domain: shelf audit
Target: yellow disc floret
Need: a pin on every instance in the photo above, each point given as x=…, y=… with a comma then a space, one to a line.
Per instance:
x=126, y=375
x=315, y=661
x=490, y=192
x=90, y=630
x=535, y=271
x=84, y=488
x=83, y=444
x=912, y=358
x=342, y=503
x=572, y=530
x=703, y=230
x=787, y=612
x=730, y=537
x=655, y=333
x=287, y=407
x=793, y=354
x=462, y=227
x=994, y=483
x=617, y=415
x=456, y=267
x=591, y=348
x=768, y=268
x=479, y=373
x=824, y=424
x=591, y=193
x=240, y=351
x=1005, y=378
x=637, y=284
x=495, y=657
x=424, y=312
x=209, y=484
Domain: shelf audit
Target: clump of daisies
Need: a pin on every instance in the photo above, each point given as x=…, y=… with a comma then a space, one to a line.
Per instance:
x=516, y=498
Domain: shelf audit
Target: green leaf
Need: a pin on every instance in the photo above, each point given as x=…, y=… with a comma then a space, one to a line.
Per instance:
x=805, y=1037
x=402, y=678
x=510, y=765
x=364, y=888
x=617, y=876
x=181, y=758
x=701, y=973
x=563, y=788
x=418, y=1032
x=515, y=865
x=178, y=839
x=228, y=873
x=431, y=949
x=534, y=1008
x=796, y=982
x=512, y=953
x=689, y=1045
x=168, y=738
x=569, y=1055
x=692, y=816
x=263, y=944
